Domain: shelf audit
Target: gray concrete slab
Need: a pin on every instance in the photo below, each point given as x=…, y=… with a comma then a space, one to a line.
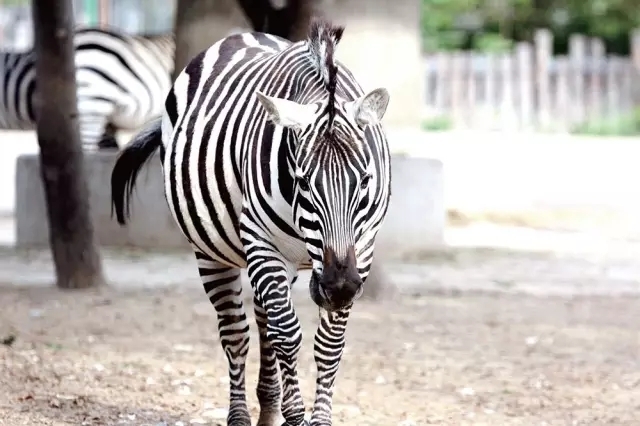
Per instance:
x=415, y=220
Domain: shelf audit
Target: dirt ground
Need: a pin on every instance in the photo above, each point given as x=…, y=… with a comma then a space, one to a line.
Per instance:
x=151, y=357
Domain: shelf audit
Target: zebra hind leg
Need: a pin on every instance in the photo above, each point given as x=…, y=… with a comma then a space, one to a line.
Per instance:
x=268, y=389
x=224, y=289
x=108, y=140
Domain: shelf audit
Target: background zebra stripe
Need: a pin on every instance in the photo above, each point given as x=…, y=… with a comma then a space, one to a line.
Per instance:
x=122, y=83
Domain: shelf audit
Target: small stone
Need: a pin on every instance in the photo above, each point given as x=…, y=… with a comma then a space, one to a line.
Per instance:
x=182, y=348
x=380, y=380
x=467, y=391
x=178, y=423
x=489, y=411
x=198, y=422
x=167, y=368
x=36, y=313
x=531, y=340
x=177, y=382
x=199, y=373
x=409, y=346
x=184, y=390
x=98, y=367
x=150, y=381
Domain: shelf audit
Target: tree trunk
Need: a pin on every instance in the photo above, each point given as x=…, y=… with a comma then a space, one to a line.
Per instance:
x=75, y=255
x=200, y=23
x=290, y=21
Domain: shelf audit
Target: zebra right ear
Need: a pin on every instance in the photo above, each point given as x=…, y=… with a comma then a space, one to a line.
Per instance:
x=287, y=113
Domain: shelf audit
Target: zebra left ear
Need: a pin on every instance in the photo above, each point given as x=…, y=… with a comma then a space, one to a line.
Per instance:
x=287, y=113
x=370, y=108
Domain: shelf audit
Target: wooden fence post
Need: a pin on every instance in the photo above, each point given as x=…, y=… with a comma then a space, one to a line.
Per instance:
x=525, y=76
x=507, y=104
x=442, y=81
x=597, y=52
x=577, y=53
x=544, y=50
x=635, y=48
x=562, y=113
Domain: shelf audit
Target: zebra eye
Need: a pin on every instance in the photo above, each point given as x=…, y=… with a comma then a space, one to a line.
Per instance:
x=303, y=184
x=365, y=181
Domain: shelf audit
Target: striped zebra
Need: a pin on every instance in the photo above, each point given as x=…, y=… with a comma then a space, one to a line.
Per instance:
x=122, y=82
x=274, y=160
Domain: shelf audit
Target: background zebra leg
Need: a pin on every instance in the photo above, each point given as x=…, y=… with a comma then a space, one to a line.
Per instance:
x=328, y=347
x=108, y=140
x=93, y=119
x=224, y=289
x=270, y=282
x=268, y=389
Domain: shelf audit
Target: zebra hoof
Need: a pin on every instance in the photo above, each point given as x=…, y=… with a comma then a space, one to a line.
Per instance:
x=108, y=143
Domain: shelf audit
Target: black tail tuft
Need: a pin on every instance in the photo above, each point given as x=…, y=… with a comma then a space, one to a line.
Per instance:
x=128, y=164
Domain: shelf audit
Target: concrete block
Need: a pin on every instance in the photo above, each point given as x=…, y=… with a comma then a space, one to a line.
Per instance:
x=151, y=225
x=416, y=217
x=415, y=220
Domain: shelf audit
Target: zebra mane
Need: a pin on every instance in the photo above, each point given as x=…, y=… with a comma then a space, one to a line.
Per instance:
x=323, y=39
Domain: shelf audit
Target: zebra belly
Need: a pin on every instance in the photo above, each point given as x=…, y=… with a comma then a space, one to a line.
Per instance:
x=201, y=214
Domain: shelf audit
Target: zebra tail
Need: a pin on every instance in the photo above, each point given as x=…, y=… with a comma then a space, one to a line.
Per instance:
x=128, y=164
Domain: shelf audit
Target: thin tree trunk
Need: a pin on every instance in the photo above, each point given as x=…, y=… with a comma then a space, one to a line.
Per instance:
x=75, y=255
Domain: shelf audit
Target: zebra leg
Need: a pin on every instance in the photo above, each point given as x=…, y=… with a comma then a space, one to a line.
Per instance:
x=108, y=140
x=224, y=289
x=328, y=348
x=269, y=279
x=93, y=119
x=268, y=389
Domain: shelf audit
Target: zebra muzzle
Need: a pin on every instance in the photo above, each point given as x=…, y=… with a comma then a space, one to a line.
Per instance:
x=339, y=283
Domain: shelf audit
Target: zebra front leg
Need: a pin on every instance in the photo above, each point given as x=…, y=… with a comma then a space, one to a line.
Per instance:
x=269, y=278
x=268, y=389
x=328, y=348
x=224, y=289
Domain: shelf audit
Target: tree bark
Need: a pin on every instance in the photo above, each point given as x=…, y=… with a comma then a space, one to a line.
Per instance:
x=75, y=254
x=200, y=23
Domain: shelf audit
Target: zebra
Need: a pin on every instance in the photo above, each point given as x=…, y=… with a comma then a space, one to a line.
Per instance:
x=121, y=84
x=274, y=160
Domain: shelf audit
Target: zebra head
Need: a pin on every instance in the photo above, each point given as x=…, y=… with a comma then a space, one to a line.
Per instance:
x=335, y=180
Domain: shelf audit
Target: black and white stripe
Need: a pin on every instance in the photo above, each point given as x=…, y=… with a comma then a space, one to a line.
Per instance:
x=122, y=83
x=274, y=160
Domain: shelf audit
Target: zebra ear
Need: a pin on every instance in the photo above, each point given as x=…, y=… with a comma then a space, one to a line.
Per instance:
x=370, y=108
x=287, y=113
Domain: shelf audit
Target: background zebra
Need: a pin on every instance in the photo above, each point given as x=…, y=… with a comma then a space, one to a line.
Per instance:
x=122, y=82
x=273, y=160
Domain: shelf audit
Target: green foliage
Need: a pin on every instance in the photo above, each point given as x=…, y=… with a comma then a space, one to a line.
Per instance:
x=493, y=25
x=492, y=43
x=437, y=124
x=624, y=125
